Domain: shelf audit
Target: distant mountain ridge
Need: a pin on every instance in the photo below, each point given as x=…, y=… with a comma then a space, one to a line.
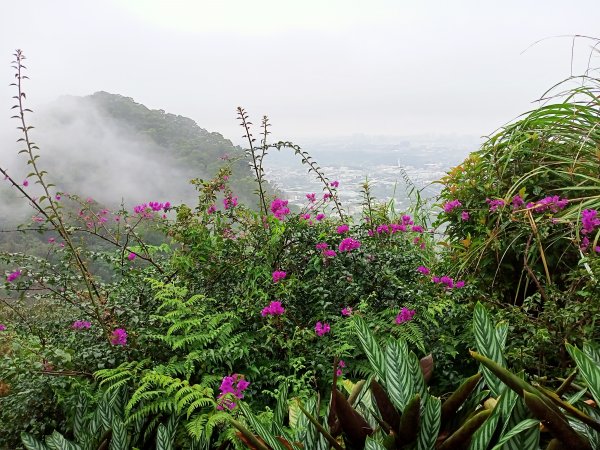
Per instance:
x=116, y=140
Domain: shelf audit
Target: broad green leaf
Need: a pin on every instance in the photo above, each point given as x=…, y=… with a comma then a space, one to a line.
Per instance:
x=32, y=443
x=79, y=420
x=483, y=435
x=118, y=440
x=398, y=379
x=419, y=386
x=370, y=347
x=260, y=429
x=589, y=370
x=57, y=441
x=372, y=444
x=487, y=344
x=164, y=441
x=281, y=409
x=430, y=423
x=520, y=427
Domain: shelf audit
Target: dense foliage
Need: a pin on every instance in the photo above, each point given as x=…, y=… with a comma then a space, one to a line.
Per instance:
x=221, y=324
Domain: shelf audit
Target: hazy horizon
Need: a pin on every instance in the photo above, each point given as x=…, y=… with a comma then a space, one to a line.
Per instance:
x=317, y=69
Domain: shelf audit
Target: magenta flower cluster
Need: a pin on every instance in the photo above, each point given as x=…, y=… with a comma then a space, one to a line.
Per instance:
x=274, y=309
x=322, y=328
x=405, y=315
x=448, y=282
x=311, y=197
x=347, y=311
x=279, y=208
x=342, y=229
x=13, y=275
x=334, y=184
x=451, y=205
x=348, y=244
x=494, y=204
x=341, y=365
x=325, y=250
x=551, y=203
x=2, y=327
x=81, y=324
x=279, y=275
x=145, y=209
x=230, y=202
x=118, y=337
x=232, y=385
x=424, y=270
x=589, y=222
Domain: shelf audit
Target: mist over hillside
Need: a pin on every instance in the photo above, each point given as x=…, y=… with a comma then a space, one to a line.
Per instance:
x=112, y=149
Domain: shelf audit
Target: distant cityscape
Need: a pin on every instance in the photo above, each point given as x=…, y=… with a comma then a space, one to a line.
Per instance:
x=384, y=162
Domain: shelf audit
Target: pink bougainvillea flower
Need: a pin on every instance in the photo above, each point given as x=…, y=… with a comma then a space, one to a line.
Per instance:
x=341, y=365
x=311, y=197
x=347, y=311
x=305, y=216
x=233, y=385
x=459, y=284
x=517, y=201
x=13, y=275
x=417, y=228
x=322, y=328
x=424, y=270
x=495, y=203
x=81, y=324
x=25, y=183
x=326, y=196
x=334, y=184
x=383, y=229
x=465, y=216
x=131, y=256
x=589, y=221
x=321, y=246
x=2, y=327
x=57, y=197
x=279, y=208
x=451, y=205
x=320, y=216
x=274, y=309
x=118, y=337
x=552, y=203
x=349, y=244
x=405, y=315
x=279, y=275
x=342, y=229
x=211, y=209
x=329, y=253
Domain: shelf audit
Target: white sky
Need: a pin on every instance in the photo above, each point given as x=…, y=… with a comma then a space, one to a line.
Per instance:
x=317, y=68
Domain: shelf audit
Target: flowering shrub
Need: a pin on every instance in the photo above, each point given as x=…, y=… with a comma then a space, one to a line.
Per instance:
x=233, y=385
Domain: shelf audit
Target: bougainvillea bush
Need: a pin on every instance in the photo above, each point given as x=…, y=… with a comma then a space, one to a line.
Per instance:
x=151, y=325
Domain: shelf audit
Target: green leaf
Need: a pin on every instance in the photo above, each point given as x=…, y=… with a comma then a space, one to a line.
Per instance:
x=370, y=347
x=56, y=441
x=79, y=420
x=520, y=427
x=260, y=429
x=488, y=345
x=588, y=369
x=398, y=381
x=281, y=409
x=32, y=443
x=372, y=444
x=118, y=440
x=164, y=441
x=483, y=435
x=430, y=423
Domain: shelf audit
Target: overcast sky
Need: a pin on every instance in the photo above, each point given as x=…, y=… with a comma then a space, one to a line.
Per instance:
x=317, y=68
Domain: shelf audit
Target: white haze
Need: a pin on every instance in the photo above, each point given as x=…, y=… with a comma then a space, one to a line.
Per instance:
x=90, y=154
